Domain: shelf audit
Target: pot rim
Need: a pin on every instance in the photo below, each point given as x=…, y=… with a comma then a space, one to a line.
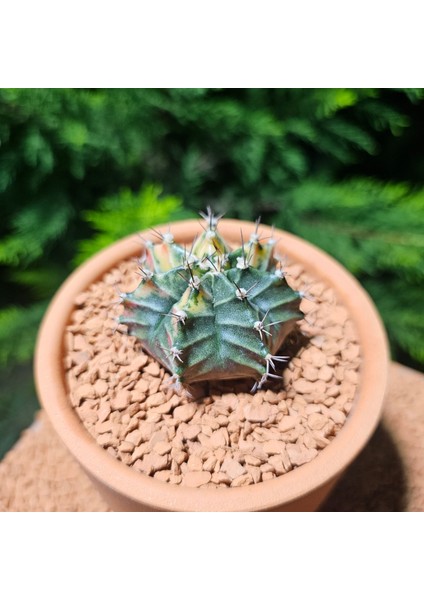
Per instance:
x=330, y=462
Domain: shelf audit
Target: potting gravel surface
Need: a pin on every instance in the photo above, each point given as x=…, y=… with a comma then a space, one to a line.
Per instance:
x=225, y=436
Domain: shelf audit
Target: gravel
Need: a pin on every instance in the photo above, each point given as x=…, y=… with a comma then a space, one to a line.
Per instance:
x=225, y=437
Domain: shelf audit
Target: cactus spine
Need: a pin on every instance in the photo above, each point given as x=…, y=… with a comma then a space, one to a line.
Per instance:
x=211, y=312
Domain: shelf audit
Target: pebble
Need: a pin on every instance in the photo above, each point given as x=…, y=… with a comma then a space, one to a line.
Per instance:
x=245, y=479
x=218, y=439
x=303, y=386
x=87, y=414
x=206, y=430
x=134, y=437
x=175, y=479
x=164, y=475
x=103, y=412
x=80, y=357
x=253, y=461
x=155, y=461
x=195, y=463
x=190, y=432
x=232, y=468
x=310, y=373
x=138, y=363
x=319, y=389
x=273, y=447
x=255, y=472
x=155, y=400
x=308, y=440
x=158, y=436
x=320, y=440
x=246, y=446
x=333, y=391
x=81, y=368
x=351, y=376
x=337, y=416
x=299, y=454
x=210, y=463
x=347, y=389
x=351, y=352
x=82, y=298
x=152, y=369
x=79, y=342
x=317, y=421
x=162, y=448
x=210, y=422
x=312, y=408
x=222, y=420
x=196, y=478
x=142, y=386
x=257, y=414
x=105, y=439
x=103, y=426
x=101, y=387
x=146, y=429
x=154, y=416
x=85, y=391
x=339, y=373
x=126, y=446
x=121, y=400
x=318, y=340
x=288, y=422
x=325, y=373
x=164, y=408
x=259, y=452
x=318, y=358
x=185, y=412
x=221, y=478
x=278, y=465
x=229, y=401
x=179, y=456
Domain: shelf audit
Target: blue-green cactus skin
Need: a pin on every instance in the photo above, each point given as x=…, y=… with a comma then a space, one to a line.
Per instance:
x=210, y=312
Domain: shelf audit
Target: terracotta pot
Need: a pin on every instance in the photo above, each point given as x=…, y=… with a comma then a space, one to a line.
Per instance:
x=305, y=487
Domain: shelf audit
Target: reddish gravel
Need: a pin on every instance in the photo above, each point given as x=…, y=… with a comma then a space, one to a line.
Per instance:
x=226, y=436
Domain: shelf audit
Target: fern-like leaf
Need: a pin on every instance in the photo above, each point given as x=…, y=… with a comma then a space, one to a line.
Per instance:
x=128, y=212
x=18, y=330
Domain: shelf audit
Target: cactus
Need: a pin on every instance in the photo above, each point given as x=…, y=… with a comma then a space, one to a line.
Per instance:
x=210, y=312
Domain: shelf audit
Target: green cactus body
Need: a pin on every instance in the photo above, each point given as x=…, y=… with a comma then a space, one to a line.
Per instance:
x=210, y=312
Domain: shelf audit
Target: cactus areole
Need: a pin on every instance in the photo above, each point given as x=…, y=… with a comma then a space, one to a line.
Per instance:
x=209, y=312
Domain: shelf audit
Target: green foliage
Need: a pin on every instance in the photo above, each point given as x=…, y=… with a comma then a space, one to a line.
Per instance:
x=404, y=321
x=341, y=167
x=34, y=228
x=128, y=212
x=377, y=231
x=373, y=228
x=18, y=328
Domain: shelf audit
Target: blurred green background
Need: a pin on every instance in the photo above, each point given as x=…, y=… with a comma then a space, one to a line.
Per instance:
x=343, y=168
